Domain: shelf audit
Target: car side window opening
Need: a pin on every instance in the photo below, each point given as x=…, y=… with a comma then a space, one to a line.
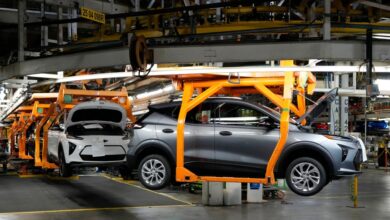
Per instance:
x=201, y=114
x=233, y=114
x=59, y=120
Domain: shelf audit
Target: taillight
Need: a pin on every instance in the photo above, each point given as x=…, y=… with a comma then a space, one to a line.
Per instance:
x=138, y=126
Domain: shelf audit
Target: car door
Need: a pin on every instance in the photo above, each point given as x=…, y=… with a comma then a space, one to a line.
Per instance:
x=53, y=137
x=198, y=137
x=244, y=140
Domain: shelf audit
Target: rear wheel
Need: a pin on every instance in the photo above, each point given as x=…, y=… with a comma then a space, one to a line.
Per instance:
x=65, y=169
x=154, y=172
x=306, y=176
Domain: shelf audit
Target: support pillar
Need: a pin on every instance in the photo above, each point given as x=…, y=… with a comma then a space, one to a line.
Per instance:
x=21, y=11
x=334, y=109
x=60, y=27
x=44, y=29
x=344, y=106
x=327, y=20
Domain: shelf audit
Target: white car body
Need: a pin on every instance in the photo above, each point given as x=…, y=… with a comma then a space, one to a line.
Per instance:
x=93, y=135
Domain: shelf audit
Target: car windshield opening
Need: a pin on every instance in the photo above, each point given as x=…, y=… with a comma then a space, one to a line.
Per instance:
x=94, y=129
x=97, y=115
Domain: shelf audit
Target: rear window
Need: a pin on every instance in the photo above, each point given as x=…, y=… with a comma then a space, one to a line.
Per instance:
x=97, y=115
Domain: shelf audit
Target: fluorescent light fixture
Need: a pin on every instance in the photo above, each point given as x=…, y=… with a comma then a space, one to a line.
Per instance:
x=95, y=76
x=44, y=75
x=383, y=84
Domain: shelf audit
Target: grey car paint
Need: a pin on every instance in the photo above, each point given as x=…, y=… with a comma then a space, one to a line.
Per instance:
x=245, y=151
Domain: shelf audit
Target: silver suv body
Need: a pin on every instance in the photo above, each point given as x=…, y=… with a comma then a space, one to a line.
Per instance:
x=231, y=137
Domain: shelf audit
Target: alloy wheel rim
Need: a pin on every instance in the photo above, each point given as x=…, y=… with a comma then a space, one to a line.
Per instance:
x=305, y=176
x=153, y=172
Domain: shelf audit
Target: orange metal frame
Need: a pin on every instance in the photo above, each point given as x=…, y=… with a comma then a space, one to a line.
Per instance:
x=265, y=84
x=62, y=105
x=119, y=97
x=11, y=136
x=20, y=127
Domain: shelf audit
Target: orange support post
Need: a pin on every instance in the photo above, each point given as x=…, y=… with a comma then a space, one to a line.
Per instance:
x=50, y=119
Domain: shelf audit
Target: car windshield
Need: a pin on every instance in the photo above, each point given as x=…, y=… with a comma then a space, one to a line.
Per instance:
x=94, y=129
x=274, y=113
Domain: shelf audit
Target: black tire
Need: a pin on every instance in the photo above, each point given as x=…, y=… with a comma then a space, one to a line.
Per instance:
x=125, y=172
x=162, y=170
x=64, y=169
x=307, y=183
x=5, y=167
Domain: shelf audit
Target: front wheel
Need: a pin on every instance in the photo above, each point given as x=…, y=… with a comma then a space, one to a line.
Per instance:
x=65, y=169
x=306, y=176
x=154, y=172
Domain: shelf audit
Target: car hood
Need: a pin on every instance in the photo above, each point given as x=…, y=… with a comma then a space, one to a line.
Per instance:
x=97, y=112
x=318, y=107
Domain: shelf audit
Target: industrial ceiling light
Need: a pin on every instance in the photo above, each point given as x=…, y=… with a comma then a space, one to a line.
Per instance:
x=383, y=84
x=44, y=75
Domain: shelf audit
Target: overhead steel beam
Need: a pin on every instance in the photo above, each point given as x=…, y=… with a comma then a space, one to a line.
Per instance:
x=324, y=50
x=90, y=59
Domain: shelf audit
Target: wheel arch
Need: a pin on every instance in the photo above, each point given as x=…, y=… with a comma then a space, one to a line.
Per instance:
x=304, y=149
x=154, y=147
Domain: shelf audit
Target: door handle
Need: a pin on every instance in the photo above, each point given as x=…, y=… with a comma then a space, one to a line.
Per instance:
x=225, y=133
x=167, y=130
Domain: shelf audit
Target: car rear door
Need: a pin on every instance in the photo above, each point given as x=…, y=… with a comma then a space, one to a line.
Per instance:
x=244, y=140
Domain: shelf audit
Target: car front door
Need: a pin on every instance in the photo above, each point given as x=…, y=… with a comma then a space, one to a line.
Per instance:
x=198, y=137
x=244, y=140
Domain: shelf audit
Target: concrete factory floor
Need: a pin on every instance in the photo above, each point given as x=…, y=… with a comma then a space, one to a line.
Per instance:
x=104, y=198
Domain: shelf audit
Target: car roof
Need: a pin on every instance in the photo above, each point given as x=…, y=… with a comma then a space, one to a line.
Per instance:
x=209, y=100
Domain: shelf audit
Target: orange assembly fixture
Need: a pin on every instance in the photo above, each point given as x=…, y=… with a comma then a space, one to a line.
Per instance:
x=278, y=88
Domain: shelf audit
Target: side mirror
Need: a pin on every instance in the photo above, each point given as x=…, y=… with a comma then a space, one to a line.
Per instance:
x=269, y=122
x=56, y=128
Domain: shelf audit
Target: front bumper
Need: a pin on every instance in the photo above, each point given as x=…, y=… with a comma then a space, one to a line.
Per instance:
x=351, y=166
x=84, y=154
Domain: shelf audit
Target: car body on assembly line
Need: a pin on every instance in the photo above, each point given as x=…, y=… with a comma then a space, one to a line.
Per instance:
x=92, y=134
x=235, y=138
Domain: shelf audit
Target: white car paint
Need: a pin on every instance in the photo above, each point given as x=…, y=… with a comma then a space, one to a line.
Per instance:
x=96, y=147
